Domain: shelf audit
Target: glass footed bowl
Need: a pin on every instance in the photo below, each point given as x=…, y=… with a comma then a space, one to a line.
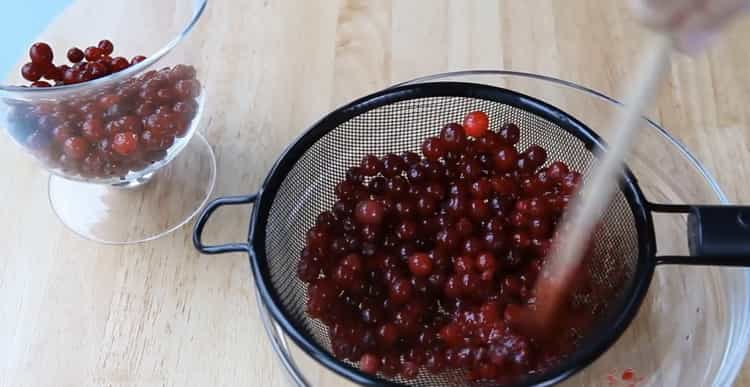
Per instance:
x=692, y=328
x=103, y=139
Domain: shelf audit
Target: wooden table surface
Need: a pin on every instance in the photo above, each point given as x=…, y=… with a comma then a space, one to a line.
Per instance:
x=75, y=313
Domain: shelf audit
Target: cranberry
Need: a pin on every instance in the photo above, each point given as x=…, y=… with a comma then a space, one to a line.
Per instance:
x=557, y=171
x=510, y=134
x=537, y=207
x=76, y=147
x=452, y=287
x=406, y=230
x=464, y=227
x=93, y=53
x=392, y=165
x=370, y=165
x=40, y=53
x=187, y=88
x=75, y=55
x=570, y=183
x=463, y=264
x=486, y=262
x=453, y=136
x=387, y=334
x=92, y=129
x=433, y=148
x=426, y=206
x=476, y=123
x=125, y=143
x=478, y=209
x=397, y=186
x=55, y=73
x=32, y=71
x=410, y=158
x=137, y=59
x=505, y=159
x=416, y=174
x=106, y=47
x=536, y=156
x=369, y=363
x=451, y=335
x=435, y=190
x=481, y=189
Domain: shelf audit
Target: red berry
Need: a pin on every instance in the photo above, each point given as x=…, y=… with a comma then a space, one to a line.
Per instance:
x=41, y=84
x=476, y=123
x=420, y=264
x=370, y=165
x=137, y=59
x=510, y=134
x=92, y=129
x=40, y=53
x=369, y=363
x=32, y=72
x=75, y=55
x=93, y=53
x=401, y=291
x=106, y=47
x=187, y=88
x=433, y=148
x=125, y=143
x=557, y=171
x=451, y=335
x=76, y=148
x=387, y=334
x=453, y=136
x=505, y=159
x=118, y=64
x=369, y=212
x=486, y=262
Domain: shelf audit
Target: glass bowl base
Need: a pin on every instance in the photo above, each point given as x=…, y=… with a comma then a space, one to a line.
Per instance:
x=141, y=210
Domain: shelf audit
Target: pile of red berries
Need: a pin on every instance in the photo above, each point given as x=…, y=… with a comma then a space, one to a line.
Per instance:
x=107, y=132
x=93, y=63
x=426, y=263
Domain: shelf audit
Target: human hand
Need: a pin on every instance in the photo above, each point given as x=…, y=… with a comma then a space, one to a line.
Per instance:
x=693, y=23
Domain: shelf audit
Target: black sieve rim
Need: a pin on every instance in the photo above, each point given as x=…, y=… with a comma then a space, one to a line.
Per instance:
x=591, y=348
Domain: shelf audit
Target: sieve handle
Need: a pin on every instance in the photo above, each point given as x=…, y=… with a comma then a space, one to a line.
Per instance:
x=203, y=219
x=717, y=235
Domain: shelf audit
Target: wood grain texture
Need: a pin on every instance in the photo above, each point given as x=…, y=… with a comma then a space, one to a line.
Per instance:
x=74, y=313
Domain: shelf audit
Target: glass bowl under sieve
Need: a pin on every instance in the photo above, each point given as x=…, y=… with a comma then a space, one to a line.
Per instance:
x=652, y=342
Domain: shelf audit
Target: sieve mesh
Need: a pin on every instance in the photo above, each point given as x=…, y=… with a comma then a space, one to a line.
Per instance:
x=394, y=127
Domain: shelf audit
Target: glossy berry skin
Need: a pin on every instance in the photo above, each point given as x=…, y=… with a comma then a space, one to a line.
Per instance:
x=93, y=53
x=370, y=165
x=75, y=55
x=505, y=159
x=426, y=264
x=369, y=212
x=420, y=264
x=369, y=363
x=75, y=148
x=40, y=53
x=433, y=148
x=125, y=143
x=106, y=47
x=137, y=59
x=31, y=72
x=453, y=136
x=476, y=124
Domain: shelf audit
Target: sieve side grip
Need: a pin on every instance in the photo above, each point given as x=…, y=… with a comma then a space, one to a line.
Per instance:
x=720, y=231
x=717, y=235
x=206, y=215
